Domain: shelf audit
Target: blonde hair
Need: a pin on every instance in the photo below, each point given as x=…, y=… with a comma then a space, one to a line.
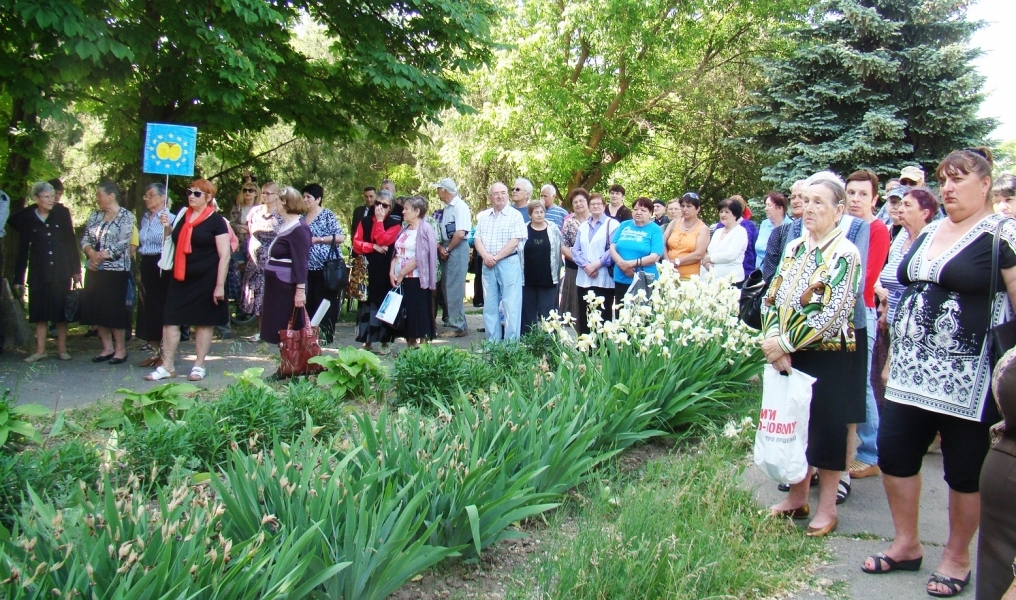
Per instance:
x=292, y=201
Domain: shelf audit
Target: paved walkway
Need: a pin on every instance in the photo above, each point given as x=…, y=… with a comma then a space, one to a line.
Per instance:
x=58, y=385
x=866, y=528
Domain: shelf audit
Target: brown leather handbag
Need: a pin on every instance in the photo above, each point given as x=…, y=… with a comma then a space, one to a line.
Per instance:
x=298, y=346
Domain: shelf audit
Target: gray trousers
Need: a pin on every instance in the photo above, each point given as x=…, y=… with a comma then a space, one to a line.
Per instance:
x=454, y=282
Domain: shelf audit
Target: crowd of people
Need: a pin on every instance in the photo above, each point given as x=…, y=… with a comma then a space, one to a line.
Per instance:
x=887, y=303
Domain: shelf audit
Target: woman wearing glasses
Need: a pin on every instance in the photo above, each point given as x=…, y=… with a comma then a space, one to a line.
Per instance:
x=262, y=226
x=375, y=238
x=247, y=199
x=197, y=288
x=106, y=243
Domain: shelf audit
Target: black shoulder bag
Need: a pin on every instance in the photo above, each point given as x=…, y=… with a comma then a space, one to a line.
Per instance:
x=335, y=271
x=750, y=304
x=1001, y=338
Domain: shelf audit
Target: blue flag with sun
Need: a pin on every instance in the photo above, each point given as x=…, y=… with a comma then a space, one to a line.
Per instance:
x=170, y=149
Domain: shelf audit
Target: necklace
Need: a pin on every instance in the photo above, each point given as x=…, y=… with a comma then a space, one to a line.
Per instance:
x=687, y=228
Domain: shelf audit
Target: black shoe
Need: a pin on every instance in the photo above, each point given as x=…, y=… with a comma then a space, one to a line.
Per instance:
x=185, y=335
x=120, y=361
x=481, y=330
x=52, y=331
x=102, y=358
x=91, y=333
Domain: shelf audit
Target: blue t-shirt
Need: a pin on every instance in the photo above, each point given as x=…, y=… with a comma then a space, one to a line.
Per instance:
x=632, y=242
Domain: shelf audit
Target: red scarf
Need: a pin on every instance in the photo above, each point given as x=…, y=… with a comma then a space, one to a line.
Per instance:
x=183, y=243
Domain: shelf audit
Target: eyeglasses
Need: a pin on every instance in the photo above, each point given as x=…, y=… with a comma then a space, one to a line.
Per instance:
x=196, y=193
x=250, y=191
x=384, y=205
x=516, y=189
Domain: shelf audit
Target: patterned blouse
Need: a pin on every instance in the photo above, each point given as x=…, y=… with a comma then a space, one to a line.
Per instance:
x=324, y=225
x=812, y=297
x=569, y=236
x=114, y=236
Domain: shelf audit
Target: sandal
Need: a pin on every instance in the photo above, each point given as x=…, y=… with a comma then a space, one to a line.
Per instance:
x=153, y=361
x=956, y=586
x=842, y=492
x=146, y=348
x=197, y=373
x=785, y=487
x=35, y=357
x=913, y=564
x=159, y=374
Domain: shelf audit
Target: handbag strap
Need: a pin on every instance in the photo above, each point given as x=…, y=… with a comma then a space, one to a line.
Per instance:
x=993, y=289
x=306, y=319
x=333, y=252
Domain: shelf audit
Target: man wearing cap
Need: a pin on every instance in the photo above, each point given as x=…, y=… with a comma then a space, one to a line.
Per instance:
x=500, y=233
x=456, y=221
x=660, y=213
x=893, y=199
x=522, y=191
x=555, y=214
x=912, y=176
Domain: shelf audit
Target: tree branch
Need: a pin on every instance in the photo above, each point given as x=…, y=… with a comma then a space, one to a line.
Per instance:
x=252, y=159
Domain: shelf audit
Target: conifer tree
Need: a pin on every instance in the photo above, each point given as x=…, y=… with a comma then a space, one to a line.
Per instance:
x=875, y=84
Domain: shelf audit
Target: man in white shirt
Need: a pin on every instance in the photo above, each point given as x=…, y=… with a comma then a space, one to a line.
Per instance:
x=456, y=221
x=500, y=232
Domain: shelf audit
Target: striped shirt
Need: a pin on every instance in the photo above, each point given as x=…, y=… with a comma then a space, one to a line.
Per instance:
x=888, y=278
x=557, y=215
x=150, y=234
x=496, y=229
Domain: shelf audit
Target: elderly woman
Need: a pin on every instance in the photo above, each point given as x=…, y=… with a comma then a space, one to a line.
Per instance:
x=936, y=358
x=106, y=244
x=806, y=320
x=776, y=213
x=541, y=264
x=154, y=283
x=374, y=237
x=637, y=245
x=325, y=233
x=592, y=254
x=52, y=262
x=262, y=226
x=579, y=200
x=687, y=236
x=286, y=269
x=725, y=254
x=414, y=267
x=1003, y=196
x=197, y=287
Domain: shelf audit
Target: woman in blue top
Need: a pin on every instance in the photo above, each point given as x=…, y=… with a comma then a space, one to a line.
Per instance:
x=325, y=231
x=776, y=213
x=637, y=245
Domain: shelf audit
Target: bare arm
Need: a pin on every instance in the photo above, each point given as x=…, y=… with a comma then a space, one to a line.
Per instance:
x=701, y=245
x=222, y=246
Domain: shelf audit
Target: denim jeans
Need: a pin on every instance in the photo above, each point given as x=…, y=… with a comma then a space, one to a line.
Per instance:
x=502, y=290
x=867, y=451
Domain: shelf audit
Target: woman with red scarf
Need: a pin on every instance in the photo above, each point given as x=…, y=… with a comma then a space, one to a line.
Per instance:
x=197, y=288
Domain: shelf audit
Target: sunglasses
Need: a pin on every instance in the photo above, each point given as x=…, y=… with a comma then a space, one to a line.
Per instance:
x=516, y=189
x=385, y=205
x=250, y=191
x=196, y=193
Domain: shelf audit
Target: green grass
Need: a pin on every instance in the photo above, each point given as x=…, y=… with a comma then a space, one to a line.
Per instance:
x=684, y=529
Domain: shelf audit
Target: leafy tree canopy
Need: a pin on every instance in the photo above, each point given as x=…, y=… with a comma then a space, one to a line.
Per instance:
x=876, y=84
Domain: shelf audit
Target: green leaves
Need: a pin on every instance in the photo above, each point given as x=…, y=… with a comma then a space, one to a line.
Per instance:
x=167, y=401
x=351, y=372
x=12, y=420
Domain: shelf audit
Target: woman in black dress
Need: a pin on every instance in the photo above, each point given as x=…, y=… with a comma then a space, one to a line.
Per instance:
x=106, y=243
x=154, y=282
x=197, y=289
x=375, y=238
x=53, y=257
x=939, y=367
x=286, y=268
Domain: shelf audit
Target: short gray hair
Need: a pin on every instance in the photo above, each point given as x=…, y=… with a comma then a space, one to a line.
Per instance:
x=160, y=188
x=108, y=187
x=490, y=190
x=525, y=184
x=386, y=194
x=42, y=187
x=549, y=188
x=830, y=181
x=417, y=202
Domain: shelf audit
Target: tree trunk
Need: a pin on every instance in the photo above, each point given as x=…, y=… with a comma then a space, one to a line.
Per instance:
x=22, y=137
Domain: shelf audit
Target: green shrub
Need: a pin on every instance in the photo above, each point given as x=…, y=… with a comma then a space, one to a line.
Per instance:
x=167, y=401
x=304, y=397
x=352, y=373
x=53, y=472
x=437, y=374
x=151, y=453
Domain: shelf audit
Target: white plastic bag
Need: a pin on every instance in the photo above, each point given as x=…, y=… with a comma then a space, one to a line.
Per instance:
x=782, y=436
x=389, y=310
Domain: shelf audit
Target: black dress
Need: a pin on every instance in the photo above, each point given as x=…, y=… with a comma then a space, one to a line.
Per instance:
x=51, y=257
x=190, y=302
x=369, y=328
